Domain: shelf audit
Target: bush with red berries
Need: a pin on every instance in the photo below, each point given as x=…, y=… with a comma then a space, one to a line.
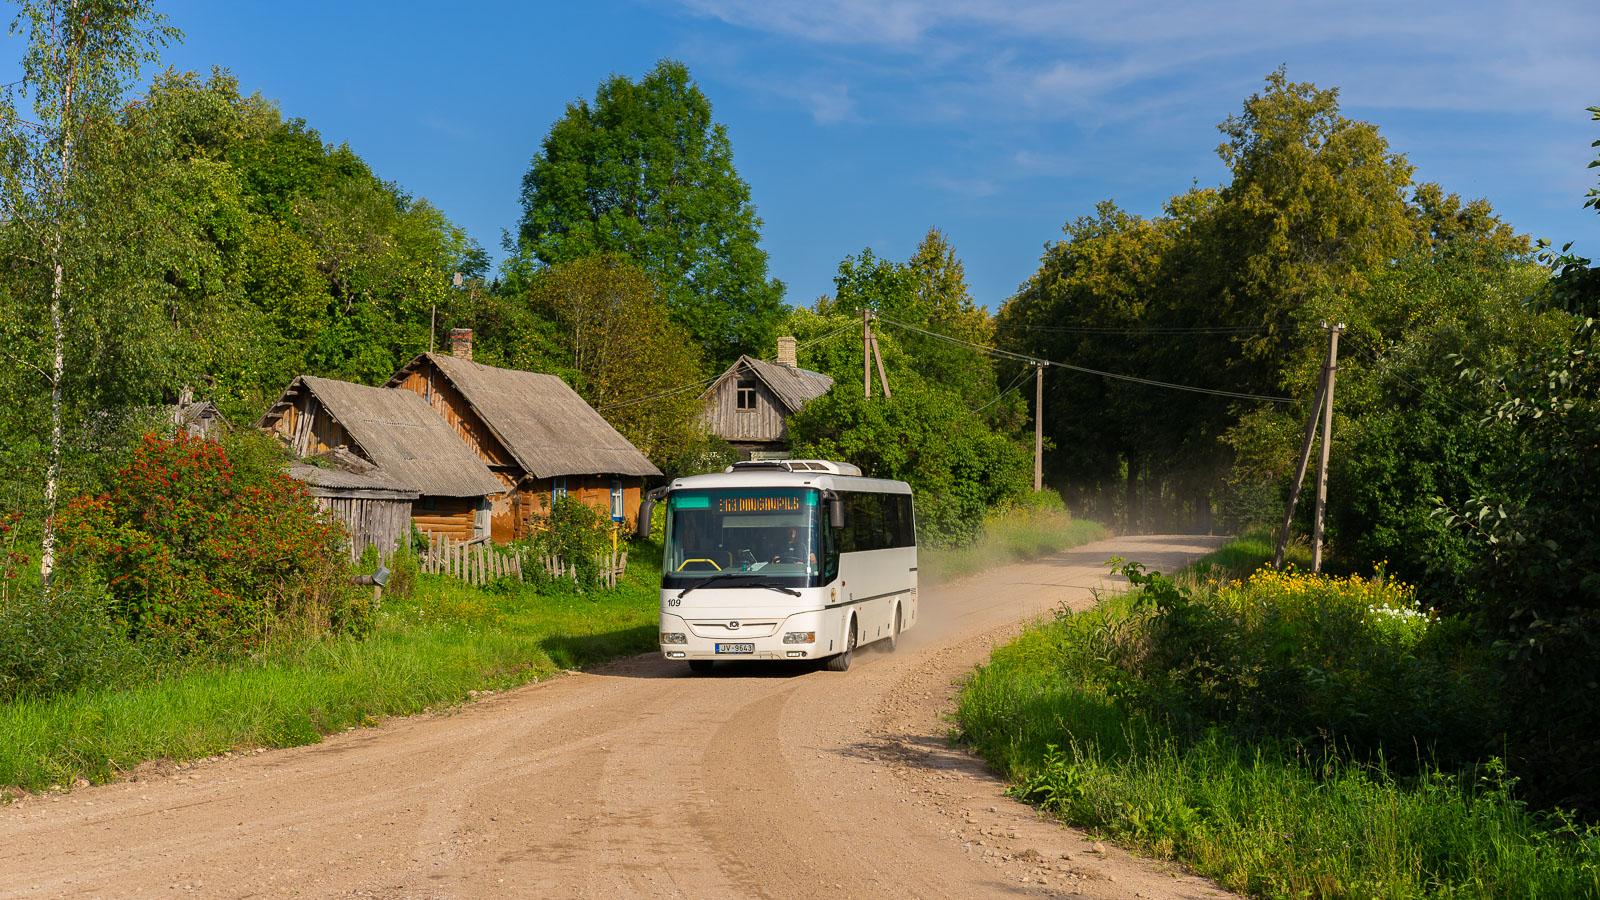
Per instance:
x=196, y=552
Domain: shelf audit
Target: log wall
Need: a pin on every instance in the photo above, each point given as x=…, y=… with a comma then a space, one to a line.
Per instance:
x=533, y=498
x=451, y=517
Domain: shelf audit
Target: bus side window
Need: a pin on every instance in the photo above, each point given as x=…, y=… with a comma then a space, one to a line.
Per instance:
x=908, y=522
x=830, y=553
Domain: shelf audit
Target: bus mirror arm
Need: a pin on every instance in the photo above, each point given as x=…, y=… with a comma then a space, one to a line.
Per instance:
x=647, y=508
x=835, y=509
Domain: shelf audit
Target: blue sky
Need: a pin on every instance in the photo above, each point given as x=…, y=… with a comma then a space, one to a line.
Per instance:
x=863, y=124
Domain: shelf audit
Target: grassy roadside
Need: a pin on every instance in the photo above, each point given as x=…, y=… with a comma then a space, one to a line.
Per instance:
x=427, y=651
x=1016, y=535
x=1268, y=817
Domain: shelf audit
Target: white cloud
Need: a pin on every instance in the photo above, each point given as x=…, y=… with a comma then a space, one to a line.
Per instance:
x=1025, y=58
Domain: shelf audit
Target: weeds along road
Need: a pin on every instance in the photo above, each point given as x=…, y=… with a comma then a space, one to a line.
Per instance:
x=635, y=779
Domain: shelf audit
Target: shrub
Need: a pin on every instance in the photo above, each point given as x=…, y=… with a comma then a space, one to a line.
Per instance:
x=194, y=553
x=1350, y=662
x=575, y=533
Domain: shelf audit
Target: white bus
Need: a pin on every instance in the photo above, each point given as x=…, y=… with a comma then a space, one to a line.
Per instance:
x=785, y=559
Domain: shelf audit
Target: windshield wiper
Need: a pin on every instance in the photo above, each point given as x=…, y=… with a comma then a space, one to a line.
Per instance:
x=720, y=575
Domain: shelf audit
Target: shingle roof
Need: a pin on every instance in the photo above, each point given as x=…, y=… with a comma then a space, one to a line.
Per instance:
x=794, y=387
x=548, y=429
x=402, y=434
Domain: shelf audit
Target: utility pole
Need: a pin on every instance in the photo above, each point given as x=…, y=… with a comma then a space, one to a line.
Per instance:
x=1305, y=460
x=866, y=354
x=1038, y=427
x=1327, y=442
x=877, y=357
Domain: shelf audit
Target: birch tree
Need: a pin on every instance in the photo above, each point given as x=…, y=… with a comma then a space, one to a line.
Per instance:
x=59, y=148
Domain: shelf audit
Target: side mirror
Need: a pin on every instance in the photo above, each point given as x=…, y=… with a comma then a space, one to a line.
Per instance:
x=647, y=509
x=835, y=512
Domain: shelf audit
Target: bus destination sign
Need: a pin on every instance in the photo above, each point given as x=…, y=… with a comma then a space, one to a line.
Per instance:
x=758, y=503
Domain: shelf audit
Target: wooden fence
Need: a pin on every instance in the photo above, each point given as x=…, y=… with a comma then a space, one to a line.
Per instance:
x=479, y=562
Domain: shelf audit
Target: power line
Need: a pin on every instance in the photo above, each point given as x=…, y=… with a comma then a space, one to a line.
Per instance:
x=1006, y=354
x=1150, y=330
x=1365, y=348
x=706, y=381
x=997, y=397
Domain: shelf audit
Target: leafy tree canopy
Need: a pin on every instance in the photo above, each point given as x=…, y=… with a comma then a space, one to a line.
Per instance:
x=645, y=173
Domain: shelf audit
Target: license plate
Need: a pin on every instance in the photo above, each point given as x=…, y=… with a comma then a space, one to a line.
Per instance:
x=736, y=648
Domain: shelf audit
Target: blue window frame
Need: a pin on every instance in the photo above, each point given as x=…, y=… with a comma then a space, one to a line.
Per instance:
x=616, y=499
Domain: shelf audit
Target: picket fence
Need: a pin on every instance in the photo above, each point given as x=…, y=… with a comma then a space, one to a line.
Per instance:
x=479, y=562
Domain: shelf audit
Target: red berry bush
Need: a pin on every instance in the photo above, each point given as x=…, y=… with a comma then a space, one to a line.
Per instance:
x=195, y=553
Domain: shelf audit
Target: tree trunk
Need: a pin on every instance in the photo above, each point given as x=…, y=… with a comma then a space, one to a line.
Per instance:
x=58, y=369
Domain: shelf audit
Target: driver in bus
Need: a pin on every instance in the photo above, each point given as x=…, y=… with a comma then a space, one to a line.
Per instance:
x=793, y=549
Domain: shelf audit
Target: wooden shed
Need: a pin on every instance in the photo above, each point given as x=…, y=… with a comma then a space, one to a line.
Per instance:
x=749, y=404
x=399, y=434
x=533, y=431
x=374, y=508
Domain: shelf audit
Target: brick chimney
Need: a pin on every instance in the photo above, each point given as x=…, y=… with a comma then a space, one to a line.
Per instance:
x=786, y=355
x=461, y=342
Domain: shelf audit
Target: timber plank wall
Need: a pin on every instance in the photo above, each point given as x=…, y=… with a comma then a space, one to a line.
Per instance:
x=724, y=418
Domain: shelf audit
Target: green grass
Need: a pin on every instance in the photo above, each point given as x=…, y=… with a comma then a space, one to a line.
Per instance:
x=1016, y=535
x=1263, y=817
x=427, y=651
x=1245, y=554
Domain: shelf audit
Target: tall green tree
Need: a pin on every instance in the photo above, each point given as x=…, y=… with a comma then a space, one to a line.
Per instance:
x=644, y=172
x=624, y=354
x=71, y=209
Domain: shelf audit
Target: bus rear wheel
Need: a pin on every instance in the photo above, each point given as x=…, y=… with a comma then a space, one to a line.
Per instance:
x=893, y=640
x=700, y=666
x=841, y=662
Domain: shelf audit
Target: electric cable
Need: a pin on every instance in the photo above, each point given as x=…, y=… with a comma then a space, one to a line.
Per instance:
x=1037, y=361
x=1364, y=347
x=997, y=397
x=707, y=381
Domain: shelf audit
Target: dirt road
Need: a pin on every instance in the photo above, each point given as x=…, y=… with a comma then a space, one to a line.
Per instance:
x=635, y=779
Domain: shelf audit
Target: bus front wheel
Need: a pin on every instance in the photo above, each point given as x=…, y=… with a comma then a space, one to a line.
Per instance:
x=841, y=662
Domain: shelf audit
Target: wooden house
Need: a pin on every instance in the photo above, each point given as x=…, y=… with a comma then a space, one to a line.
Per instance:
x=533, y=431
x=749, y=404
x=401, y=436
x=374, y=508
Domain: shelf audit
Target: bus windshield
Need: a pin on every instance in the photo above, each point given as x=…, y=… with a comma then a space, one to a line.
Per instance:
x=773, y=533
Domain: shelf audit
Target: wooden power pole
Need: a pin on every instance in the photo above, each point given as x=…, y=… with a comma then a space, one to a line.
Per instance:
x=1305, y=460
x=1038, y=427
x=1327, y=443
x=866, y=353
x=1321, y=407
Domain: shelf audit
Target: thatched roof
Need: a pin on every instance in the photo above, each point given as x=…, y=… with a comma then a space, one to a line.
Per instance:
x=794, y=387
x=541, y=421
x=401, y=433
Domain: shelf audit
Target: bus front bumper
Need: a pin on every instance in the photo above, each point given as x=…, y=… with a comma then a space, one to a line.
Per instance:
x=788, y=640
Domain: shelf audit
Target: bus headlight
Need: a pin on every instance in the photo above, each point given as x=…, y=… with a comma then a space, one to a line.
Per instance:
x=800, y=637
x=674, y=637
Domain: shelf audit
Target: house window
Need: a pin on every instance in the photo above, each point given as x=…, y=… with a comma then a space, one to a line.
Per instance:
x=747, y=395
x=616, y=499
x=558, y=488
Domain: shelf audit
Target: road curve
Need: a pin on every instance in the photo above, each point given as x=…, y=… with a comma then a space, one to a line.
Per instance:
x=633, y=779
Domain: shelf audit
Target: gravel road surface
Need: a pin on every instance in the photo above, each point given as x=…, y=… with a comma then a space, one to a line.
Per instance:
x=634, y=779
